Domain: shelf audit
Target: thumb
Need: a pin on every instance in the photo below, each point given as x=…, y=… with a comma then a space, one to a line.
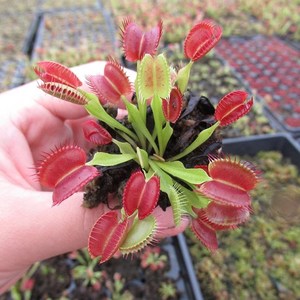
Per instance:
x=33, y=230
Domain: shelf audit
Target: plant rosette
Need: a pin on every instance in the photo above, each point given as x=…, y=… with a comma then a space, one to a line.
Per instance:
x=137, y=160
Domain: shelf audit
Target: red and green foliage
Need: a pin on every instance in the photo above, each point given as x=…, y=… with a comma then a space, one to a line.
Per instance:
x=214, y=197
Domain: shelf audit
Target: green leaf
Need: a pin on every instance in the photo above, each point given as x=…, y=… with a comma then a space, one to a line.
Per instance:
x=183, y=77
x=166, y=135
x=137, y=80
x=178, y=201
x=106, y=159
x=177, y=169
x=166, y=181
x=139, y=235
x=125, y=148
x=156, y=106
x=159, y=120
x=142, y=102
x=193, y=200
x=162, y=74
x=139, y=132
x=154, y=77
x=149, y=174
x=142, y=158
x=199, y=201
x=15, y=293
x=202, y=137
x=136, y=120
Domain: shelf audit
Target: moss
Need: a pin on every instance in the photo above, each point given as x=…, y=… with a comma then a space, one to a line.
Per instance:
x=260, y=260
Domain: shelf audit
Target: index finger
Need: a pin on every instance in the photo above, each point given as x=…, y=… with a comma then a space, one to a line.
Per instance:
x=26, y=97
x=67, y=110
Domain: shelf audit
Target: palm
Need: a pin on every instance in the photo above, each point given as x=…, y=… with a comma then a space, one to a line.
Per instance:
x=45, y=124
x=31, y=123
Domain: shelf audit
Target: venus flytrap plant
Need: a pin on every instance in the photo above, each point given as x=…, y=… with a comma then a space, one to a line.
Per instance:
x=95, y=133
x=215, y=196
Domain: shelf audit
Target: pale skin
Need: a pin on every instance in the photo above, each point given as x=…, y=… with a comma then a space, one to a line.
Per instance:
x=31, y=123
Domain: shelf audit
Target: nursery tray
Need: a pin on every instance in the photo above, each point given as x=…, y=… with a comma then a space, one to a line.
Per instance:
x=292, y=42
x=269, y=66
x=12, y=74
x=282, y=142
x=61, y=5
x=15, y=47
x=181, y=271
x=31, y=34
x=18, y=7
x=282, y=123
x=87, y=28
x=135, y=278
x=16, y=33
x=187, y=269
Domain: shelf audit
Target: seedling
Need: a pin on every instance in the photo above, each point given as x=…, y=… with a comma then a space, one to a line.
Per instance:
x=86, y=269
x=153, y=259
x=167, y=291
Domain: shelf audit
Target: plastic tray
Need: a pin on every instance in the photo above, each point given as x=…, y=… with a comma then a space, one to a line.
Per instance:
x=251, y=145
x=187, y=270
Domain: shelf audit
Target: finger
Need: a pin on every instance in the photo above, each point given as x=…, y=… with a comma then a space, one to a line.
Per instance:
x=26, y=96
x=7, y=279
x=46, y=231
x=166, y=223
x=65, y=110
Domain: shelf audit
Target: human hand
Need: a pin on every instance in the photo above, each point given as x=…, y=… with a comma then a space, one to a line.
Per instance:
x=31, y=229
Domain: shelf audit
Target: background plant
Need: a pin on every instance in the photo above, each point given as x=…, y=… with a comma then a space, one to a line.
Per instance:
x=167, y=291
x=153, y=259
x=85, y=270
x=22, y=290
x=260, y=260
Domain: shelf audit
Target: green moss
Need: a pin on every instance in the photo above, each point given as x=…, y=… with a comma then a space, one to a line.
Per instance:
x=260, y=260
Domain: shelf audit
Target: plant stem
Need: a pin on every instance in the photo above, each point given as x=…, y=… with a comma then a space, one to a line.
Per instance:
x=95, y=109
x=183, y=77
x=156, y=106
x=127, y=139
x=139, y=126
